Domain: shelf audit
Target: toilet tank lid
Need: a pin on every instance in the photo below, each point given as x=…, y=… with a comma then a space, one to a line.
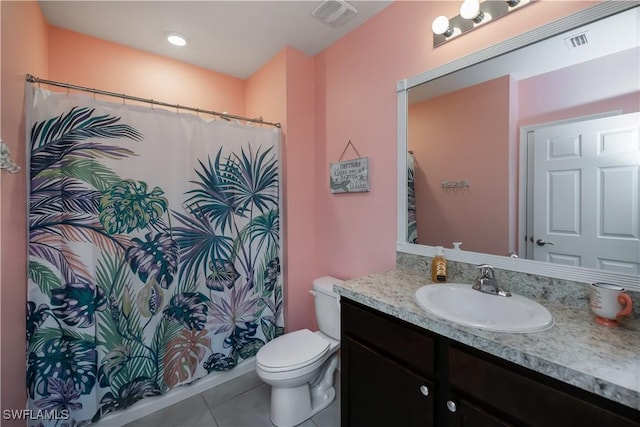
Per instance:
x=325, y=284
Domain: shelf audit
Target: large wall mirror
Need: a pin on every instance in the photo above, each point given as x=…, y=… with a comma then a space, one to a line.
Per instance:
x=528, y=152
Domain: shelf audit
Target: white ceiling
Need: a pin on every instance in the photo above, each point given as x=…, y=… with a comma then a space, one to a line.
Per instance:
x=231, y=37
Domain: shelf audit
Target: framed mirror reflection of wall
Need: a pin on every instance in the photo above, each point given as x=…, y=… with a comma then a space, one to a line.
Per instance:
x=530, y=148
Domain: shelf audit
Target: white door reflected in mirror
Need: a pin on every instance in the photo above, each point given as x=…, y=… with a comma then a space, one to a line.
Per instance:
x=586, y=194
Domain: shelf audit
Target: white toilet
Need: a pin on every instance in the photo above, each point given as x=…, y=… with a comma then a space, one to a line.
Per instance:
x=299, y=366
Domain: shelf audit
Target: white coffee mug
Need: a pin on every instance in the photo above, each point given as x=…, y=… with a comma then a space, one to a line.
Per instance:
x=609, y=302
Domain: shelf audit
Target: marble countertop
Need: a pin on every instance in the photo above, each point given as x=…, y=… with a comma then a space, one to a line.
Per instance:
x=576, y=350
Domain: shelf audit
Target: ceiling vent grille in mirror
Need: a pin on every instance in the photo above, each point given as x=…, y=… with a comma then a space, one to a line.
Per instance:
x=334, y=13
x=577, y=40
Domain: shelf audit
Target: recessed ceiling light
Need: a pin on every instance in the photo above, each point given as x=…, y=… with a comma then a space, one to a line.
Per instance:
x=176, y=39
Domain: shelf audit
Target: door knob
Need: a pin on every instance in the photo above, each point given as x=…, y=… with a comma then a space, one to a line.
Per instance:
x=541, y=242
x=451, y=406
x=424, y=390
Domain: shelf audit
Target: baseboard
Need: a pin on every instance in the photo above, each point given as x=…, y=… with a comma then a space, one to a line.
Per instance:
x=152, y=404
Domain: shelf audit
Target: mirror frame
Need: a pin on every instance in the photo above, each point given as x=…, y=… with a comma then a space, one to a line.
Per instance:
x=578, y=274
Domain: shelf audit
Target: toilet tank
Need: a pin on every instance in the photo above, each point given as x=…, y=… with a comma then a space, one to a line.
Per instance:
x=327, y=305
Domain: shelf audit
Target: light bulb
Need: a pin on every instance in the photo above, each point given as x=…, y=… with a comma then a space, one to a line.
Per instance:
x=441, y=26
x=470, y=9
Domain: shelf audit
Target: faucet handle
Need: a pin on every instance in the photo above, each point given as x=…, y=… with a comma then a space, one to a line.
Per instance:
x=487, y=282
x=486, y=270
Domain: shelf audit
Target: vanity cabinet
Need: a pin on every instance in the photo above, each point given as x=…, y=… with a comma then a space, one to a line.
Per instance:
x=397, y=374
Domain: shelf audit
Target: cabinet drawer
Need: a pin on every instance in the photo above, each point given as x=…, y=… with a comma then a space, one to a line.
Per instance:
x=409, y=345
x=524, y=398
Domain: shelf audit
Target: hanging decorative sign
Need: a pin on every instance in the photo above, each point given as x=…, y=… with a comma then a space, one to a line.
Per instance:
x=349, y=176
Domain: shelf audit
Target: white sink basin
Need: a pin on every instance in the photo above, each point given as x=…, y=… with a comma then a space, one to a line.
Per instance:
x=459, y=303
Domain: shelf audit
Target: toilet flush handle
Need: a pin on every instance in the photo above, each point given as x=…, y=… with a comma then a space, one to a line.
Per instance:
x=312, y=292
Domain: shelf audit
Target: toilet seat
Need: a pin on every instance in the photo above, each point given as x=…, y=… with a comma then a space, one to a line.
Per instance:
x=292, y=351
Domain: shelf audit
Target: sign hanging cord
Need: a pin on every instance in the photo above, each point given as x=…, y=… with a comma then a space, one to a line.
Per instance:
x=346, y=148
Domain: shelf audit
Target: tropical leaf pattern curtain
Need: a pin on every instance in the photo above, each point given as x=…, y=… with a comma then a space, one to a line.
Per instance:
x=154, y=241
x=412, y=229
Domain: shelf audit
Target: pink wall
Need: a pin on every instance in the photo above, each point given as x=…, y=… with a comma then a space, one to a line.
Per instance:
x=24, y=50
x=457, y=137
x=300, y=213
x=91, y=62
x=356, y=99
x=283, y=89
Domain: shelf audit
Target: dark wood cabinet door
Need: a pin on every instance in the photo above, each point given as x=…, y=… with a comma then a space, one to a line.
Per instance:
x=379, y=392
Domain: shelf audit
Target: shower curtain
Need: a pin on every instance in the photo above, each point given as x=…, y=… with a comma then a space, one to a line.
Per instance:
x=154, y=252
x=412, y=230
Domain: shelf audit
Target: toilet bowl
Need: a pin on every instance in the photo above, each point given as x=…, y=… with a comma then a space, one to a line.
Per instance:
x=300, y=366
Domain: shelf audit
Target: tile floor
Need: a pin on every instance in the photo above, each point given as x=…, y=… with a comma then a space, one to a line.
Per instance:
x=242, y=402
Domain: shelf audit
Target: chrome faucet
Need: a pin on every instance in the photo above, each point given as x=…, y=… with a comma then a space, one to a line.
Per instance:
x=487, y=282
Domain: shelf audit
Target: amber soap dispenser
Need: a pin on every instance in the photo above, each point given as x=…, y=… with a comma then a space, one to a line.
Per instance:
x=439, y=267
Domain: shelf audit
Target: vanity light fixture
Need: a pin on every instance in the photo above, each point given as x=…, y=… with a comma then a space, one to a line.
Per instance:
x=176, y=39
x=473, y=13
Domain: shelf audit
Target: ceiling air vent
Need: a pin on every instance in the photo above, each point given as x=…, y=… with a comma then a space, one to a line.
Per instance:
x=577, y=40
x=334, y=13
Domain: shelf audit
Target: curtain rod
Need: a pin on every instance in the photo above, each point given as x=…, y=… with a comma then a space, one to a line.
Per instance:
x=32, y=79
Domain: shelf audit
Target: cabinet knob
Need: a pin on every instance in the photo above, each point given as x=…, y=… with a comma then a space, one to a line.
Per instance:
x=424, y=390
x=451, y=406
